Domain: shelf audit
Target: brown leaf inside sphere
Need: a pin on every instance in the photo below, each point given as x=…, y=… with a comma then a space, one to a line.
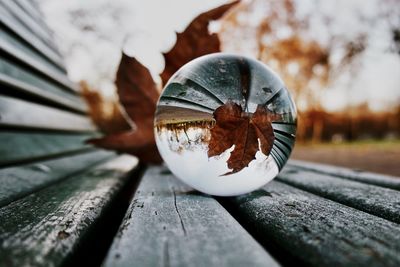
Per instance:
x=246, y=131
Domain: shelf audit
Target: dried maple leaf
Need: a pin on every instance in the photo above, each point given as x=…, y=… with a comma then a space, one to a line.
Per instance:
x=137, y=91
x=194, y=41
x=136, y=142
x=138, y=94
x=246, y=131
x=112, y=121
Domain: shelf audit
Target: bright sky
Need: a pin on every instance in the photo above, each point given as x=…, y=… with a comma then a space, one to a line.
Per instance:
x=144, y=29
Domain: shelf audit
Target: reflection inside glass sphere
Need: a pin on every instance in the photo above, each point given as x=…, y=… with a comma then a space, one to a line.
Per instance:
x=225, y=124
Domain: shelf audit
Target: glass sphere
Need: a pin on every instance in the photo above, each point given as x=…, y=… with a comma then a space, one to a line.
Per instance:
x=225, y=124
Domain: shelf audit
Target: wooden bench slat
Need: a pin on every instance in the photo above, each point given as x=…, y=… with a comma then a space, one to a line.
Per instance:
x=10, y=47
x=32, y=10
x=47, y=227
x=356, y=175
x=318, y=231
x=32, y=40
x=284, y=127
x=285, y=138
x=18, y=147
x=167, y=224
x=379, y=201
x=28, y=22
x=29, y=90
x=175, y=102
x=10, y=35
x=10, y=39
x=19, y=72
x=190, y=93
x=17, y=182
x=22, y=114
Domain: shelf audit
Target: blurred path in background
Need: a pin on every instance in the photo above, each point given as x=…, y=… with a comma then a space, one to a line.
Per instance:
x=380, y=156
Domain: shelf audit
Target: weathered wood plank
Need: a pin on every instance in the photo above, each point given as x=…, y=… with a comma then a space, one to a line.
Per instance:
x=9, y=38
x=317, y=231
x=19, y=181
x=382, y=202
x=28, y=22
x=47, y=227
x=169, y=225
x=356, y=175
x=31, y=39
x=32, y=10
x=31, y=60
x=30, y=90
x=17, y=71
x=19, y=147
x=23, y=114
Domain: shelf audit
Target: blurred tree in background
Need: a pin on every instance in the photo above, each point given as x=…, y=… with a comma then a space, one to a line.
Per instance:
x=340, y=59
x=306, y=43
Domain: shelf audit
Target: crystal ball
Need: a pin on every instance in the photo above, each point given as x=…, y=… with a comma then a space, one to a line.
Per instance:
x=225, y=124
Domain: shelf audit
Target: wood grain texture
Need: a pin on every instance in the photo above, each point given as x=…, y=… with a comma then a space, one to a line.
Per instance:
x=382, y=202
x=45, y=228
x=356, y=175
x=22, y=114
x=167, y=224
x=316, y=231
x=19, y=181
x=19, y=147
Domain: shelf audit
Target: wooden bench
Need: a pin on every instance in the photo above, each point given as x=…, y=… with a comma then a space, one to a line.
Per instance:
x=64, y=203
x=61, y=200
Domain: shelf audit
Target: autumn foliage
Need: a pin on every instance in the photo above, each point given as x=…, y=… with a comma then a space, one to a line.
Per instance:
x=236, y=127
x=303, y=63
x=138, y=92
x=194, y=41
x=138, y=95
x=106, y=114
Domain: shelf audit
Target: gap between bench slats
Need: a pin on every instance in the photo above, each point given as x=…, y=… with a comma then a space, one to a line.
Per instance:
x=49, y=227
x=167, y=224
x=315, y=231
x=360, y=176
x=22, y=114
x=21, y=147
x=376, y=200
x=19, y=181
